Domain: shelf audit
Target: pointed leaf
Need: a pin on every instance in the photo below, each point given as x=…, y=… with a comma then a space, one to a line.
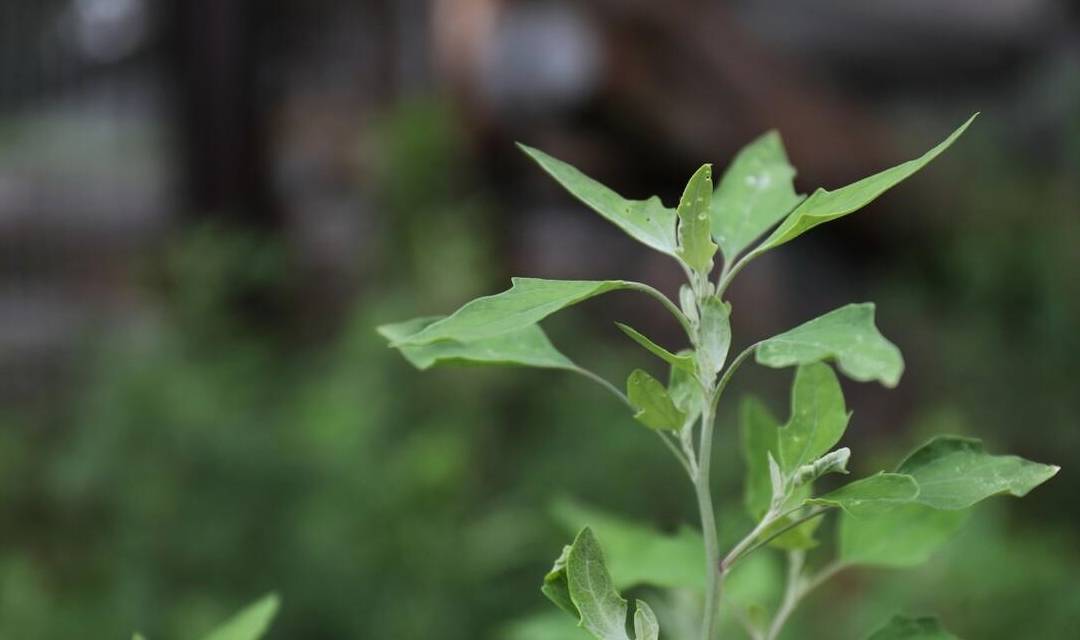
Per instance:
x=818, y=417
x=955, y=473
x=684, y=362
x=249, y=624
x=847, y=336
x=647, y=221
x=904, y=628
x=902, y=537
x=873, y=495
x=823, y=206
x=696, y=246
x=650, y=399
x=715, y=335
x=555, y=585
x=645, y=625
x=527, y=347
x=527, y=302
x=755, y=192
x=760, y=441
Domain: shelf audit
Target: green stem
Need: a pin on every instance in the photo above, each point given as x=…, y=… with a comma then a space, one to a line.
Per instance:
x=708, y=526
x=792, y=594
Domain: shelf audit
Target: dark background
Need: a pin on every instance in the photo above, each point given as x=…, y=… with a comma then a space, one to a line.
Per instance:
x=206, y=206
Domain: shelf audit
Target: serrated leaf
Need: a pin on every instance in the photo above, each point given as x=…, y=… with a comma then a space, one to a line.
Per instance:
x=715, y=336
x=696, y=246
x=647, y=221
x=755, y=192
x=901, y=537
x=759, y=431
x=527, y=347
x=846, y=336
x=873, y=495
x=955, y=473
x=823, y=205
x=639, y=554
x=818, y=417
x=250, y=624
x=684, y=362
x=603, y=611
x=650, y=399
x=526, y=302
x=905, y=628
x=646, y=626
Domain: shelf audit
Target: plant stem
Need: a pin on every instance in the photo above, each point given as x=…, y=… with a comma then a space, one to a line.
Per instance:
x=708, y=525
x=792, y=594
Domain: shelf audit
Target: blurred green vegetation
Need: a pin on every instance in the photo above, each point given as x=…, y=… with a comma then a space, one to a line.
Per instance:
x=207, y=459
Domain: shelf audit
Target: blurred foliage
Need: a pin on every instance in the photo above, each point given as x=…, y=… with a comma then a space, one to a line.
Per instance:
x=206, y=460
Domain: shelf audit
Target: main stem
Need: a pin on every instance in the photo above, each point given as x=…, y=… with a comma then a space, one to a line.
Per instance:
x=708, y=525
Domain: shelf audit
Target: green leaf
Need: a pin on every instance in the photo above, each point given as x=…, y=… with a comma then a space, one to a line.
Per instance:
x=797, y=538
x=696, y=246
x=904, y=628
x=755, y=192
x=684, y=362
x=526, y=302
x=249, y=624
x=638, y=554
x=650, y=399
x=873, y=495
x=527, y=347
x=901, y=537
x=760, y=433
x=832, y=462
x=603, y=611
x=955, y=473
x=823, y=205
x=555, y=585
x=684, y=389
x=715, y=336
x=818, y=417
x=647, y=221
x=847, y=336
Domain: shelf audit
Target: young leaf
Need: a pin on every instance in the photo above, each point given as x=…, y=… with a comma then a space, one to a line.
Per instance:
x=847, y=336
x=904, y=628
x=684, y=389
x=715, y=336
x=955, y=473
x=818, y=417
x=647, y=221
x=555, y=585
x=527, y=347
x=638, y=554
x=603, y=611
x=651, y=401
x=832, y=462
x=901, y=537
x=696, y=246
x=645, y=625
x=823, y=206
x=684, y=362
x=760, y=441
x=755, y=192
x=249, y=624
x=526, y=302
x=873, y=495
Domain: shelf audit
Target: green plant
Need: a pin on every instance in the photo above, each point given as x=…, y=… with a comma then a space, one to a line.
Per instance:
x=889, y=519
x=249, y=624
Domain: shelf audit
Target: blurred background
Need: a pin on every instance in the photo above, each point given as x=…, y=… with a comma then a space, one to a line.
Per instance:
x=207, y=205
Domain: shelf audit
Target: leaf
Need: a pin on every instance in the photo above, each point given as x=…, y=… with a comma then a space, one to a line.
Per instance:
x=696, y=246
x=755, y=192
x=715, y=336
x=526, y=302
x=873, y=495
x=818, y=417
x=955, y=473
x=555, y=585
x=902, y=537
x=651, y=401
x=603, y=611
x=249, y=624
x=760, y=440
x=638, y=554
x=684, y=362
x=823, y=205
x=904, y=628
x=832, y=462
x=685, y=391
x=847, y=336
x=527, y=347
x=647, y=221
x=646, y=626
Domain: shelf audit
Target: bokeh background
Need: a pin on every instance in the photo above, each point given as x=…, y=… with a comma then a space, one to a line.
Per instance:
x=207, y=205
